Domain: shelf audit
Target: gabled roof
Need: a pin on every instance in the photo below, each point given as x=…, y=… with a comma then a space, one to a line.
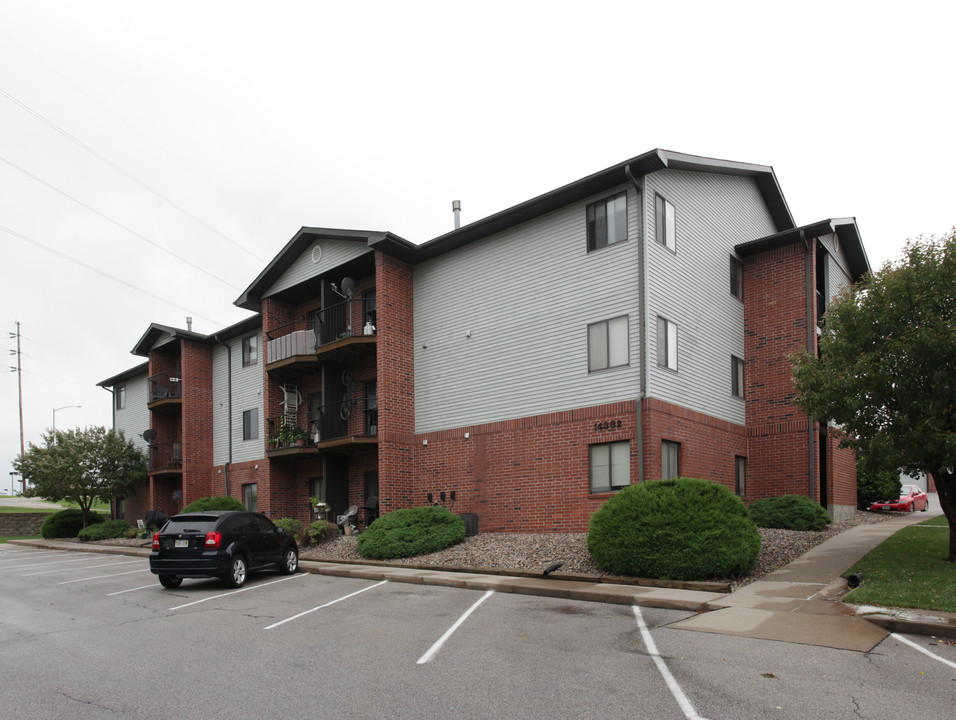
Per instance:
x=599, y=182
x=845, y=229
x=122, y=377
x=155, y=331
x=251, y=298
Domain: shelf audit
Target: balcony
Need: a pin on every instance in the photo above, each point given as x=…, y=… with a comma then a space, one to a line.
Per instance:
x=166, y=458
x=165, y=390
x=340, y=332
x=337, y=426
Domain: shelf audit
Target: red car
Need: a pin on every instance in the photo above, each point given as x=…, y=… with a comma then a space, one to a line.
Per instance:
x=911, y=498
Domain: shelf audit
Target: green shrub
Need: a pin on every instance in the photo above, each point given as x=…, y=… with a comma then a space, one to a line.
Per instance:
x=292, y=527
x=322, y=531
x=105, y=530
x=676, y=529
x=214, y=503
x=790, y=512
x=66, y=523
x=407, y=533
x=876, y=485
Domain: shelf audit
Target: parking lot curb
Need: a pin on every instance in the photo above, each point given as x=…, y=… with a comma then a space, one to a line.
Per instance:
x=568, y=586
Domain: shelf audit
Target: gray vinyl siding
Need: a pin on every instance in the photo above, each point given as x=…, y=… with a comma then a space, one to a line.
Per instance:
x=334, y=253
x=246, y=395
x=134, y=418
x=692, y=286
x=838, y=273
x=501, y=324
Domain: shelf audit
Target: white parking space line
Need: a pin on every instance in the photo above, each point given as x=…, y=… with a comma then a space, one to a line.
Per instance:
x=344, y=597
x=28, y=552
x=242, y=589
x=448, y=633
x=923, y=650
x=85, y=558
x=685, y=705
x=85, y=567
x=141, y=587
x=100, y=577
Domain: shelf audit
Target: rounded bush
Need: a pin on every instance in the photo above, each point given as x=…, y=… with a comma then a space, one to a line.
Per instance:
x=292, y=527
x=214, y=503
x=790, y=512
x=66, y=523
x=105, y=530
x=407, y=533
x=676, y=529
x=322, y=531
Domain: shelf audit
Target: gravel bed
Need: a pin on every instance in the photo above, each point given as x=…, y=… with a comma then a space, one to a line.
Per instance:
x=536, y=551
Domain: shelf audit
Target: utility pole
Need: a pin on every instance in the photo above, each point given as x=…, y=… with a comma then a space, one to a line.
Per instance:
x=19, y=371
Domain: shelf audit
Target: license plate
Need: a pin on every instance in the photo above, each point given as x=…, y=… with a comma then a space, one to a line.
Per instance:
x=182, y=543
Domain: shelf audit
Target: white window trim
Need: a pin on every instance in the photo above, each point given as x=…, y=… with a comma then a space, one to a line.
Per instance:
x=667, y=348
x=615, y=354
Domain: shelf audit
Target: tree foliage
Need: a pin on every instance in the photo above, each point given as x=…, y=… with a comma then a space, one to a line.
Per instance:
x=83, y=466
x=887, y=367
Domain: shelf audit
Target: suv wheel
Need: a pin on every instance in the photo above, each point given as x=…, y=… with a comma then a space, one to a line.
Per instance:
x=290, y=562
x=238, y=571
x=170, y=581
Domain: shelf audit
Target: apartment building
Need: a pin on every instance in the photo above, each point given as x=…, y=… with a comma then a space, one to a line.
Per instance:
x=632, y=325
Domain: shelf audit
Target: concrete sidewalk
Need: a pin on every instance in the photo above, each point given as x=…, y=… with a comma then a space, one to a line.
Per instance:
x=797, y=603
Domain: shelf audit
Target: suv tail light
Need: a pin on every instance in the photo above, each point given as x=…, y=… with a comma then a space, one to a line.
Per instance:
x=213, y=539
x=155, y=541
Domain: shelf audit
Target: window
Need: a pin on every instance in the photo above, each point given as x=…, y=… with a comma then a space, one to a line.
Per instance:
x=736, y=278
x=610, y=466
x=666, y=343
x=250, y=424
x=249, y=493
x=608, y=344
x=120, y=395
x=666, y=224
x=250, y=350
x=737, y=376
x=740, y=476
x=607, y=222
x=670, y=459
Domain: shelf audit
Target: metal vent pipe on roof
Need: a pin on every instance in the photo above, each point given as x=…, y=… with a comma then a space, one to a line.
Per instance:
x=189, y=324
x=456, y=208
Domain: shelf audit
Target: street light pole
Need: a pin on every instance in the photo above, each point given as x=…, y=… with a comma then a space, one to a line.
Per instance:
x=54, y=417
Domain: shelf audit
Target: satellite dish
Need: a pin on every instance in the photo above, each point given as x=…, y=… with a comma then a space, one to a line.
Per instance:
x=149, y=435
x=348, y=286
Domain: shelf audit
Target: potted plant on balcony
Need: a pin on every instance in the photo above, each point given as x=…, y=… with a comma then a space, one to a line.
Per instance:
x=292, y=435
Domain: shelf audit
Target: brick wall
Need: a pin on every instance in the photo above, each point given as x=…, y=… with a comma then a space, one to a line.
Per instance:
x=395, y=354
x=198, y=473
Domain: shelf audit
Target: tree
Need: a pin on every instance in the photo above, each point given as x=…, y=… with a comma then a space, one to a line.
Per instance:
x=886, y=373
x=83, y=466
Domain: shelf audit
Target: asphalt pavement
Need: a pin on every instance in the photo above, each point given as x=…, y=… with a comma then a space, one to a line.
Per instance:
x=798, y=603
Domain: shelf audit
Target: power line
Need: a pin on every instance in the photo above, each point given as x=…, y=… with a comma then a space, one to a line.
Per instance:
x=104, y=274
x=128, y=175
x=134, y=129
x=117, y=223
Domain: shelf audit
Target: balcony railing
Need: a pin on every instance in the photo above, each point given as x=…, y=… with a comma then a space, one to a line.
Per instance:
x=349, y=318
x=166, y=455
x=349, y=418
x=165, y=385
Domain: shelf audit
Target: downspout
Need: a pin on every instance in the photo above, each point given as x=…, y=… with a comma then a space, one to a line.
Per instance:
x=225, y=467
x=811, y=474
x=113, y=413
x=641, y=327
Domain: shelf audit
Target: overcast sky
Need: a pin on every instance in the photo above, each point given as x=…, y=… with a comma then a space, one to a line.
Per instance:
x=155, y=156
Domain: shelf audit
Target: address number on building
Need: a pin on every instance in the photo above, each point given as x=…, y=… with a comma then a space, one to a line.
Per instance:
x=608, y=425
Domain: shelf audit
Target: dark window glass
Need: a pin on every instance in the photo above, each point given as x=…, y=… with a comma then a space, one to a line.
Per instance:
x=250, y=350
x=250, y=424
x=607, y=222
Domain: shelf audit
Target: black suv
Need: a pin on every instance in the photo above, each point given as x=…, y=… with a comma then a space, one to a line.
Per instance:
x=227, y=544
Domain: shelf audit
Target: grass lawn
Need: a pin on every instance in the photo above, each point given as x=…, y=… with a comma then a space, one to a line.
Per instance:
x=4, y=538
x=909, y=570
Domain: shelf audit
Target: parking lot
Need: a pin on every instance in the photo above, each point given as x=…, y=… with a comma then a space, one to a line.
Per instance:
x=92, y=635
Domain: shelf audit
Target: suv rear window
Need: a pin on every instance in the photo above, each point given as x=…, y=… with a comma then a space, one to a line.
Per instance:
x=191, y=524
